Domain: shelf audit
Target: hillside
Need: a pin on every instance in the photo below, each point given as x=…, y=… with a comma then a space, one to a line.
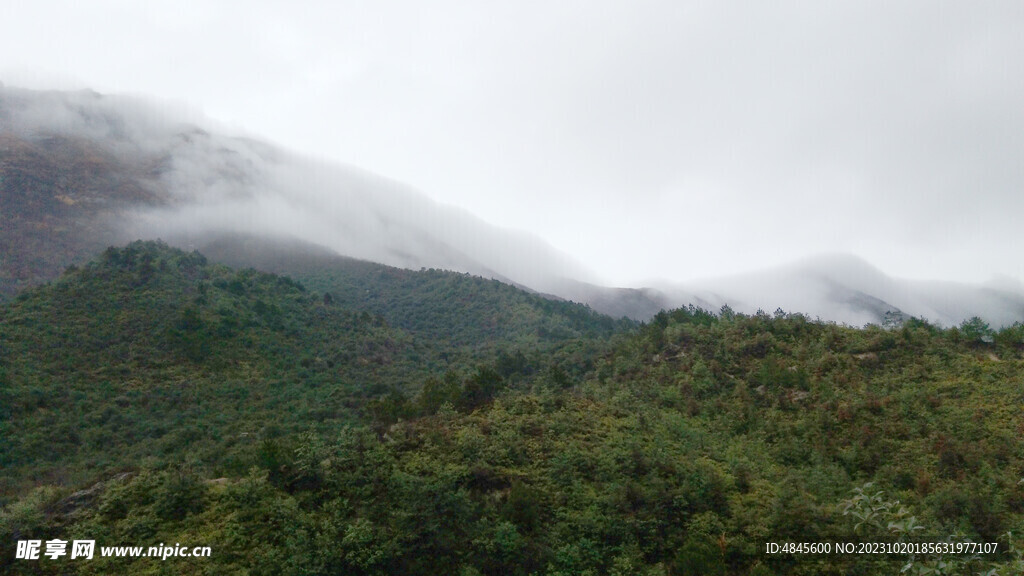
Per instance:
x=150, y=351
x=59, y=198
x=201, y=405
x=456, y=310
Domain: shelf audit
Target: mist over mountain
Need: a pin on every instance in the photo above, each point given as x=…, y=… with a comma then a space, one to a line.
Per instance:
x=81, y=171
x=845, y=288
x=189, y=185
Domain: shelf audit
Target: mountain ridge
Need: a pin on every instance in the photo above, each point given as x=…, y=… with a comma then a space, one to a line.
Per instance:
x=191, y=182
x=80, y=171
x=846, y=288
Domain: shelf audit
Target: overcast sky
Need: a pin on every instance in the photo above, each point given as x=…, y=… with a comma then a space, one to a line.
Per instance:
x=672, y=140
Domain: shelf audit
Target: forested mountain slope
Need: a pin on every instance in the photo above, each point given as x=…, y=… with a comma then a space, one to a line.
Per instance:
x=681, y=448
x=150, y=350
x=456, y=310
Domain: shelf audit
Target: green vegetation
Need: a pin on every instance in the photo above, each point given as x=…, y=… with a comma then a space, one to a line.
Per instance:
x=464, y=315
x=444, y=424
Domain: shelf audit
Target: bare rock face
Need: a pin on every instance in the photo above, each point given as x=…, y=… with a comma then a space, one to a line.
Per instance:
x=85, y=498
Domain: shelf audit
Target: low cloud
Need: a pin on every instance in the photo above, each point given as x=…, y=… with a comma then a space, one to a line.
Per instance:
x=211, y=183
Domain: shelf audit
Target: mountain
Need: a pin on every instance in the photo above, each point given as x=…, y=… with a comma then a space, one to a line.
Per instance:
x=340, y=401
x=844, y=288
x=80, y=170
x=60, y=198
x=149, y=349
x=151, y=396
x=456, y=309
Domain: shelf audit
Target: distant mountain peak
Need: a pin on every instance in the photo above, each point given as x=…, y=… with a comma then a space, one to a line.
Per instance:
x=838, y=263
x=846, y=288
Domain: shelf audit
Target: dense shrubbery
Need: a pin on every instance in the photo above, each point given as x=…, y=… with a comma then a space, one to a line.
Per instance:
x=299, y=434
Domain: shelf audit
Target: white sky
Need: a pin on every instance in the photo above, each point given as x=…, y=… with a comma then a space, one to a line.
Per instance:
x=649, y=140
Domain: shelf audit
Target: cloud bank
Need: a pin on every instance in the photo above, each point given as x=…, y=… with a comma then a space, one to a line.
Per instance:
x=210, y=183
x=206, y=183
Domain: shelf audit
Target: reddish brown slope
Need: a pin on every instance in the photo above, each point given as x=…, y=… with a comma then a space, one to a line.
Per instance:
x=57, y=197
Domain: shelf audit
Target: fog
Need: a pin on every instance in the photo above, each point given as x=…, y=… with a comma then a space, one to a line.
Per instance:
x=846, y=289
x=210, y=181
x=649, y=139
x=352, y=212
x=214, y=183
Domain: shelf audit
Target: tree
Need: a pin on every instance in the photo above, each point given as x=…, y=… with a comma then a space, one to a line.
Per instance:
x=976, y=331
x=480, y=388
x=436, y=393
